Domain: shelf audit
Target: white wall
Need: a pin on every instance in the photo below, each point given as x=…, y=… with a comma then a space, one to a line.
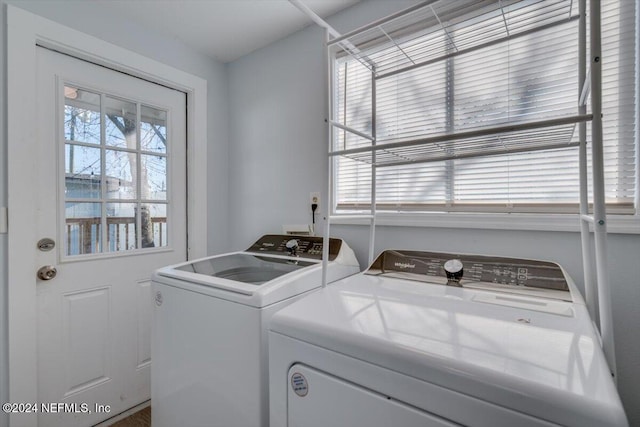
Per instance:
x=4, y=380
x=98, y=21
x=278, y=141
x=277, y=145
x=278, y=155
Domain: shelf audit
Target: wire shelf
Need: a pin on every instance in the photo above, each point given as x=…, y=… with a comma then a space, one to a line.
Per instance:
x=512, y=138
x=448, y=28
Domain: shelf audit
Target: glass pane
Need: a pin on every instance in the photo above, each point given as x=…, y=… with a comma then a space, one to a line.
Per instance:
x=82, y=171
x=119, y=170
x=82, y=230
x=251, y=269
x=154, y=225
x=81, y=115
x=120, y=123
x=153, y=183
x=153, y=129
x=121, y=227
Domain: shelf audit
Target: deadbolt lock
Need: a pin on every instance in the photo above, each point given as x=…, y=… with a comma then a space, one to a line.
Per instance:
x=46, y=244
x=47, y=272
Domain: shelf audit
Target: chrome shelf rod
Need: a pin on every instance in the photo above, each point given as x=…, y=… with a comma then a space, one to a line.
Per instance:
x=470, y=134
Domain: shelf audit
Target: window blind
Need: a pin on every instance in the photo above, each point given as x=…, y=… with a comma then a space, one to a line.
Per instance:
x=526, y=78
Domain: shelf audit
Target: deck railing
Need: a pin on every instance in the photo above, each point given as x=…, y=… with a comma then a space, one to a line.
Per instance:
x=84, y=234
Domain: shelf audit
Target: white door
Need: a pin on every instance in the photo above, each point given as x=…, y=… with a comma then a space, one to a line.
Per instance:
x=111, y=194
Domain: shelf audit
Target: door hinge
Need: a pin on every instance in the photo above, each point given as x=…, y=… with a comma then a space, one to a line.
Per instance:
x=4, y=220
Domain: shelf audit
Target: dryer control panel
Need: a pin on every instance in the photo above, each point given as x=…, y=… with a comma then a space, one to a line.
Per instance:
x=474, y=271
x=305, y=247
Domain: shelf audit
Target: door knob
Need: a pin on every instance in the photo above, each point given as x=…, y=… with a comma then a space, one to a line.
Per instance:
x=47, y=272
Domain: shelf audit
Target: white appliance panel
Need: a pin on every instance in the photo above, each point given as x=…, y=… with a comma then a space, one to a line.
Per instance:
x=331, y=401
x=448, y=404
x=192, y=336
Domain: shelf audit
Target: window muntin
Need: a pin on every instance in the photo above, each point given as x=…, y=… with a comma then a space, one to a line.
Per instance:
x=115, y=166
x=509, y=82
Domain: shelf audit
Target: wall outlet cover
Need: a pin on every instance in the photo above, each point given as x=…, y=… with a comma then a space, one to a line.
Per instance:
x=314, y=198
x=298, y=230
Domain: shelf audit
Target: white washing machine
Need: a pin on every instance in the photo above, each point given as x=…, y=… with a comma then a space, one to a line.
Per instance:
x=209, y=338
x=485, y=341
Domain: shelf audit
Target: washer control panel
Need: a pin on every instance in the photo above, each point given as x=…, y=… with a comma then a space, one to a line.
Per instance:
x=307, y=246
x=509, y=272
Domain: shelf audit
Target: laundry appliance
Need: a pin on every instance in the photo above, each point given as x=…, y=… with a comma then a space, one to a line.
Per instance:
x=209, y=337
x=438, y=339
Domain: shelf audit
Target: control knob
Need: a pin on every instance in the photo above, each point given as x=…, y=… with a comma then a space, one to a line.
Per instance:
x=292, y=247
x=454, y=270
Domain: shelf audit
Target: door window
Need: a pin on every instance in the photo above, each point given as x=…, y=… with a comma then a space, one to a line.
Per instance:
x=115, y=174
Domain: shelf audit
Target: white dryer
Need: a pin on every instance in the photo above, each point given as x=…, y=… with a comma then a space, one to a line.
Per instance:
x=508, y=342
x=209, y=335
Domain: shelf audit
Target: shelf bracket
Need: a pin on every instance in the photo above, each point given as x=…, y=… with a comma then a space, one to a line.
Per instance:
x=351, y=130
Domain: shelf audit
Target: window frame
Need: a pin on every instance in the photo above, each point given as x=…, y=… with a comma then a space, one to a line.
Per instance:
x=437, y=215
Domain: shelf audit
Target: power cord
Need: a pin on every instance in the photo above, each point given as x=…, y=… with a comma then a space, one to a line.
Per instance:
x=314, y=206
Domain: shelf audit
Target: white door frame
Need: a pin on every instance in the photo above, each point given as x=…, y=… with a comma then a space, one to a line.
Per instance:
x=24, y=31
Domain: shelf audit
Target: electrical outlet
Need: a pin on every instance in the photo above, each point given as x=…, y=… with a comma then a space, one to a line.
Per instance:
x=315, y=198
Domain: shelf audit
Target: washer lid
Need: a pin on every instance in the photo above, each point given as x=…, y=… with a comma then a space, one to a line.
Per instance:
x=240, y=272
x=538, y=362
x=241, y=267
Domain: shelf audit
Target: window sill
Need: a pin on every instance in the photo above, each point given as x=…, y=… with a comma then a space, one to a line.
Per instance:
x=617, y=224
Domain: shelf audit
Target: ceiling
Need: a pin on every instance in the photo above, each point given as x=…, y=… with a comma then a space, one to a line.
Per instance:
x=223, y=29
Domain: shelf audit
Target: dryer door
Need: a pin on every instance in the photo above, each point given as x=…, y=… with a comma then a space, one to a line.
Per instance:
x=319, y=399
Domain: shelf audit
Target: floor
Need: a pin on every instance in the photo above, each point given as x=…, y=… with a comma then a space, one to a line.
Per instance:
x=142, y=418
